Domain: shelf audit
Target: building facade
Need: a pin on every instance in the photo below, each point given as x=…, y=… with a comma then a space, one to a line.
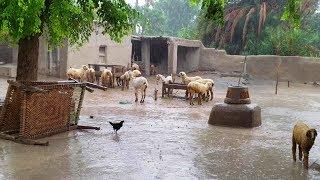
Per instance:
x=100, y=49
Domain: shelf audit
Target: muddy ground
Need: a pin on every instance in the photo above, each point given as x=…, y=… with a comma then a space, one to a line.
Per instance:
x=169, y=139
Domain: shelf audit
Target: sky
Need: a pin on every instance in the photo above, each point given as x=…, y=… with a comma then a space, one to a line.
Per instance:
x=132, y=2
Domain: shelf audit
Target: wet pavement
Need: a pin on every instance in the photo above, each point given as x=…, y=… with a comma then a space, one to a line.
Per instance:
x=169, y=139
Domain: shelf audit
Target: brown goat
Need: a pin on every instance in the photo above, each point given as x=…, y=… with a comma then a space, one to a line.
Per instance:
x=304, y=137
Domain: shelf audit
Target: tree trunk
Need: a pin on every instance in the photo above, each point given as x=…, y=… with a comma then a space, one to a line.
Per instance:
x=27, y=69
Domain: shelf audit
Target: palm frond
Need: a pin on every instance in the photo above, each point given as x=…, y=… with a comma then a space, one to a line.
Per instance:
x=235, y=22
x=245, y=27
x=262, y=16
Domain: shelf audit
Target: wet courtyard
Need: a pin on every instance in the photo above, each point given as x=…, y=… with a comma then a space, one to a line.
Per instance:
x=169, y=139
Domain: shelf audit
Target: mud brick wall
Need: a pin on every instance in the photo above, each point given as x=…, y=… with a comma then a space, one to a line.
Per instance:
x=291, y=68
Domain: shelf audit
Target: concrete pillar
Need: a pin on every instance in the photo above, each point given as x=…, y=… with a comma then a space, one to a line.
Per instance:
x=172, y=58
x=15, y=50
x=43, y=63
x=145, y=55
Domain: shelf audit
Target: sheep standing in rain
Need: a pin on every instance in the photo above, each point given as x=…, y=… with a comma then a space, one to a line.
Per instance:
x=186, y=79
x=106, y=77
x=199, y=88
x=210, y=90
x=165, y=80
x=125, y=79
x=139, y=84
x=91, y=75
x=77, y=74
x=304, y=137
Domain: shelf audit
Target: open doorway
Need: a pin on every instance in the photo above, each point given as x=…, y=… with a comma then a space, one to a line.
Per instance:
x=159, y=56
x=188, y=58
x=136, y=50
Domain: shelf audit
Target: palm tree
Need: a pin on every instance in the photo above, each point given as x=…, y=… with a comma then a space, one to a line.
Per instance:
x=245, y=16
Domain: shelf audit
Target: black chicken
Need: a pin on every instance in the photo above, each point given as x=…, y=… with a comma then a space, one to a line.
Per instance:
x=116, y=125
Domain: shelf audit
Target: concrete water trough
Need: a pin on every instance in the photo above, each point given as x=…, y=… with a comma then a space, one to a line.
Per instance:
x=237, y=110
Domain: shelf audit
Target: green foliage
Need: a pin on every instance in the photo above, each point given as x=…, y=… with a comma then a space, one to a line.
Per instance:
x=64, y=19
x=151, y=22
x=117, y=18
x=292, y=12
x=245, y=19
x=205, y=30
x=20, y=19
x=166, y=18
x=213, y=10
x=286, y=42
x=189, y=33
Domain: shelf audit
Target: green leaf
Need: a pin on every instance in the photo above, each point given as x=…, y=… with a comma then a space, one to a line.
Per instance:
x=61, y=20
x=292, y=13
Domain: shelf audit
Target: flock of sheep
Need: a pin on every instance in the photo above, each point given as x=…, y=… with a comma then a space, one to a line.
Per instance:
x=195, y=85
x=139, y=82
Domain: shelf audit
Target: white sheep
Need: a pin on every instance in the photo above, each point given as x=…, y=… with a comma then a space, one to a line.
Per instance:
x=125, y=79
x=77, y=74
x=199, y=88
x=186, y=79
x=136, y=73
x=139, y=84
x=90, y=75
x=210, y=90
x=304, y=137
x=165, y=80
x=106, y=77
x=135, y=66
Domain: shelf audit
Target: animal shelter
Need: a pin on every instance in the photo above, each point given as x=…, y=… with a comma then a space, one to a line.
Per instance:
x=33, y=110
x=147, y=51
x=167, y=54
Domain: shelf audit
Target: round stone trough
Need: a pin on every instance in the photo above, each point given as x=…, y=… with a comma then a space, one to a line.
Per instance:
x=237, y=110
x=237, y=95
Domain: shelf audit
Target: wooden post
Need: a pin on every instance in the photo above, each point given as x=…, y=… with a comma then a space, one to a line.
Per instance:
x=22, y=140
x=163, y=89
x=122, y=84
x=155, y=94
x=88, y=127
x=277, y=78
x=83, y=90
x=288, y=83
x=277, y=82
x=243, y=70
x=95, y=86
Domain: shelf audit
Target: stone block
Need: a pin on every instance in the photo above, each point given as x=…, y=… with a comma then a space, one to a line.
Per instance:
x=235, y=115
